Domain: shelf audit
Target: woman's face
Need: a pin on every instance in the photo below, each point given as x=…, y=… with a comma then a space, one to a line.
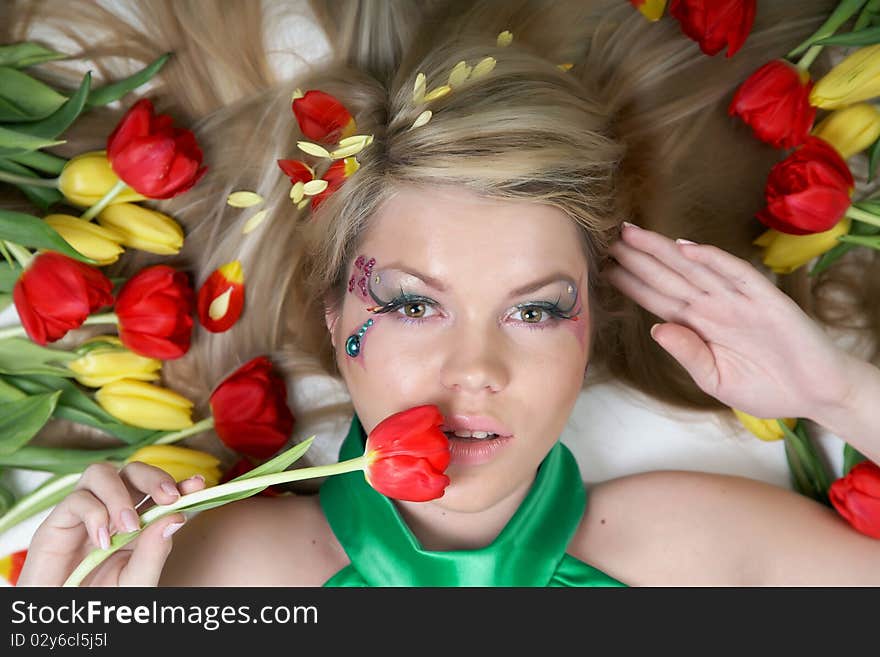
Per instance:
x=486, y=317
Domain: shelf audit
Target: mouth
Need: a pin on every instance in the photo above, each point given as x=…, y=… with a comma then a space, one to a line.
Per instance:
x=475, y=450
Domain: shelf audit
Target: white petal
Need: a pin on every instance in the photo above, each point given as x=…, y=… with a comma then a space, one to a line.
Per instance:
x=346, y=151
x=422, y=119
x=504, y=39
x=459, y=74
x=220, y=306
x=419, y=88
x=243, y=199
x=483, y=67
x=296, y=192
x=302, y=204
x=312, y=149
x=254, y=221
x=315, y=187
x=439, y=92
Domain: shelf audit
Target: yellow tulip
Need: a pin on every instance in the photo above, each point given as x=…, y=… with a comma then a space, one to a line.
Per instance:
x=144, y=405
x=142, y=228
x=783, y=253
x=764, y=428
x=651, y=9
x=86, y=178
x=855, y=78
x=110, y=362
x=89, y=239
x=851, y=129
x=180, y=462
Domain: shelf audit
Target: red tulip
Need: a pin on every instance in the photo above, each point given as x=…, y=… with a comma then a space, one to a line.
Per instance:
x=857, y=498
x=775, y=102
x=243, y=465
x=335, y=175
x=56, y=294
x=407, y=454
x=221, y=298
x=297, y=171
x=154, y=308
x=322, y=118
x=715, y=23
x=250, y=409
x=11, y=565
x=153, y=157
x=809, y=191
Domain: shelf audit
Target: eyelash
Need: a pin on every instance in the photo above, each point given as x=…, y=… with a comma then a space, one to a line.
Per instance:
x=556, y=314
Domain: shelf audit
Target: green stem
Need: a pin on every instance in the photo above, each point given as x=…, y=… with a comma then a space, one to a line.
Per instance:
x=837, y=18
x=20, y=253
x=809, y=57
x=860, y=215
x=48, y=494
x=61, y=460
x=96, y=557
x=41, y=161
x=198, y=427
x=104, y=202
x=19, y=332
x=26, y=180
x=864, y=18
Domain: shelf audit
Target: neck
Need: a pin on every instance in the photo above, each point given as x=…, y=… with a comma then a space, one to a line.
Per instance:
x=439, y=528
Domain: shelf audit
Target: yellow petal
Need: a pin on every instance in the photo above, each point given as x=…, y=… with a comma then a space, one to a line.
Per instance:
x=297, y=94
x=351, y=165
x=484, y=66
x=351, y=149
x=564, y=67
x=422, y=119
x=314, y=187
x=419, y=88
x=302, y=204
x=144, y=405
x=459, y=74
x=220, y=305
x=439, y=92
x=505, y=38
x=243, y=199
x=143, y=228
x=155, y=453
x=355, y=139
x=296, y=192
x=254, y=221
x=312, y=149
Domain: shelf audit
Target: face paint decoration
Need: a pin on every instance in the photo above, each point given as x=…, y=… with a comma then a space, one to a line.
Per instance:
x=353, y=343
x=366, y=268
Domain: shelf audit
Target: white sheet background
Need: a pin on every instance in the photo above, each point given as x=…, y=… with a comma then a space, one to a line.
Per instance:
x=613, y=430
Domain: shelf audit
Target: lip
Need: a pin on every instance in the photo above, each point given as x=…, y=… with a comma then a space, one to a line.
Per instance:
x=475, y=423
x=466, y=451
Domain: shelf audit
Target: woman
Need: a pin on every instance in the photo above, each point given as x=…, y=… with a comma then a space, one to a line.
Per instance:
x=489, y=230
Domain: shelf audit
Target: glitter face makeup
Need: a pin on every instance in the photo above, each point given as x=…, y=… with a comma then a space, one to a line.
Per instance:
x=358, y=283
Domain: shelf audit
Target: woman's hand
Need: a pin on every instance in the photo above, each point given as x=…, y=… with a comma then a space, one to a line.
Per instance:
x=744, y=341
x=103, y=503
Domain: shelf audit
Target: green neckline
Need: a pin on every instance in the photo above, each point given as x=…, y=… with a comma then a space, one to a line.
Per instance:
x=384, y=551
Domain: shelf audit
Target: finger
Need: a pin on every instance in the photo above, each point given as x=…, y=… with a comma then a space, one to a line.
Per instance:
x=81, y=507
x=648, y=268
x=142, y=478
x=690, y=351
x=670, y=253
x=740, y=273
x=150, y=552
x=105, y=483
x=191, y=485
x=643, y=294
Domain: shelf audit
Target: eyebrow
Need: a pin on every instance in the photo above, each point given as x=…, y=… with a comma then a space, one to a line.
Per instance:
x=525, y=289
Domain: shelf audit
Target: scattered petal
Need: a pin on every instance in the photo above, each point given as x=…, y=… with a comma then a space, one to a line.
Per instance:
x=439, y=92
x=220, y=305
x=460, y=73
x=297, y=94
x=422, y=119
x=302, y=204
x=351, y=165
x=313, y=149
x=505, y=38
x=352, y=149
x=483, y=67
x=419, y=88
x=564, y=67
x=254, y=221
x=296, y=192
x=355, y=139
x=243, y=199
x=315, y=187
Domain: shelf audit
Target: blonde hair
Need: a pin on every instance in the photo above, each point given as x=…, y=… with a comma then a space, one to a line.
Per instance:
x=637, y=130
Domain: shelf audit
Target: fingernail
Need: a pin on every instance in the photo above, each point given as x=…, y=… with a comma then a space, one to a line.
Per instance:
x=130, y=520
x=103, y=538
x=170, y=489
x=197, y=477
x=626, y=223
x=170, y=529
x=683, y=241
x=653, y=330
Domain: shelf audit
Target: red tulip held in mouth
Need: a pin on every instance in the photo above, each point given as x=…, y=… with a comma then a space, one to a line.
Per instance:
x=250, y=409
x=857, y=498
x=407, y=455
x=152, y=156
x=714, y=24
x=56, y=294
x=154, y=308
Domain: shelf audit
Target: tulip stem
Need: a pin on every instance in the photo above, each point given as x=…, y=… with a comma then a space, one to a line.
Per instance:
x=809, y=57
x=838, y=17
x=860, y=215
x=21, y=254
x=27, y=180
x=198, y=427
x=103, y=318
x=865, y=17
x=253, y=484
x=105, y=201
x=19, y=332
x=48, y=494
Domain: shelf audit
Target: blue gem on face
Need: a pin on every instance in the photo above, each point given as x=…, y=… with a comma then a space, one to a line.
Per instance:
x=353, y=346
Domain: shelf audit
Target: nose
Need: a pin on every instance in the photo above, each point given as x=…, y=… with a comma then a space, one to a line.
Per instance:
x=476, y=361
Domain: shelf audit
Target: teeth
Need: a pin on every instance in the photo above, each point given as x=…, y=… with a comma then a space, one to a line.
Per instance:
x=474, y=434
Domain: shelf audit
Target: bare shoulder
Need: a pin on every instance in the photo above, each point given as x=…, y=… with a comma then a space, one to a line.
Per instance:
x=694, y=528
x=259, y=541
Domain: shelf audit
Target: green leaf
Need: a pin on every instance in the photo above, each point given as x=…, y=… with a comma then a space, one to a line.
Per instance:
x=43, y=197
x=116, y=90
x=869, y=205
x=851, y=457
x=18, y=143
x=8, y=276
x=23, y=98
x=7, y=500
x=830, y=257
x=77, y=406
x=873, y=158
x=872, y=241
x=10, y=392
x=45, y=162
x=27, y=53
x=21, y=420
x=842, y=13
x=63, y=118
x=21, y=356
x=807, y=470
x=48, y=494
x=866, y=37
x=5, y=301
x=27, y=230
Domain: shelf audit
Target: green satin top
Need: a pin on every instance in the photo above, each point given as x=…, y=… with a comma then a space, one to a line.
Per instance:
x=529, y=551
